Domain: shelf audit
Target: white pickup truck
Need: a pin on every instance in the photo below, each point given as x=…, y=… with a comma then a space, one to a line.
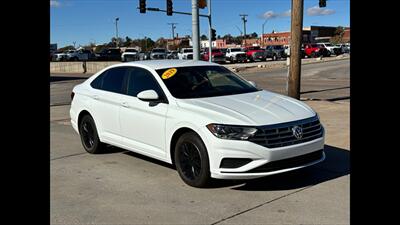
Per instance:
x=185, y=53
x=235, y=55
x=130, y=54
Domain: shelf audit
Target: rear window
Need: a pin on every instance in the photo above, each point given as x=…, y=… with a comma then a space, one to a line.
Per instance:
x=111, y=80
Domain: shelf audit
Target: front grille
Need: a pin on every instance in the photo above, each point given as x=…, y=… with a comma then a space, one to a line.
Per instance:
x=288, y=163
x=280, y=135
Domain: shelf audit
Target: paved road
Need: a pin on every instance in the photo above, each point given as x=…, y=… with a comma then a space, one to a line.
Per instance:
x=327, y=80
x=120, y=187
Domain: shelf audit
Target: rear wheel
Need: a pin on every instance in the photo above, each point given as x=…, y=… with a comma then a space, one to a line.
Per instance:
x=89, y=137
x=191, y=160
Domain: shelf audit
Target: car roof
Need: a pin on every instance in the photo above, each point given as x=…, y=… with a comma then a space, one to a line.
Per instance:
x=167, y=63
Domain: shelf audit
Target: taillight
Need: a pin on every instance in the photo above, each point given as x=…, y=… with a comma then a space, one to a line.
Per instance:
x=72, y=95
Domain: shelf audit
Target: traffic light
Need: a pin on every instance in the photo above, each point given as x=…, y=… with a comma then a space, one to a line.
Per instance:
x=169, y=7
x=142, y=6
x=322, y=3
x=202, y=4
x=213, y=34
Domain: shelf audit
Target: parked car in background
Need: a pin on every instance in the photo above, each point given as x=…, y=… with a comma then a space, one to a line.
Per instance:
x=216, y=54
x=202, y=118
x=144, y=55
x=315, y=50
x=254, y=53
x=186, y=53
x=158, y=53
x=172, y=55
x=130, y=54
x=287, y=51
x=111, y=54
x=334, y=50
x=275, y=52
x=224, y=50
x=60, y=56
x=234, y=55
x=344, y=48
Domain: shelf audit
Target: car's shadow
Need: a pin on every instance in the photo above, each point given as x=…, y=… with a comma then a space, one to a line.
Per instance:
x=335, y=165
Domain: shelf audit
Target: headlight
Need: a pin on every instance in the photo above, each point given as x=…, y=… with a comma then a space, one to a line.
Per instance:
x=231, y=132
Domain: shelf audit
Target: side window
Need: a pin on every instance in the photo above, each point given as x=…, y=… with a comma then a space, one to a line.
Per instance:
x=114, y=79
x=98, y=82
x=141, y=80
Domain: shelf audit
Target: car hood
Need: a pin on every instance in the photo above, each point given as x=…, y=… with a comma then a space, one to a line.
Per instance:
x=256, y=108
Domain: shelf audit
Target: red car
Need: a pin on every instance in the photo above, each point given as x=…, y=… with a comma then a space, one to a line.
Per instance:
x=217, y=55
x=315, y=50
x=255, y=53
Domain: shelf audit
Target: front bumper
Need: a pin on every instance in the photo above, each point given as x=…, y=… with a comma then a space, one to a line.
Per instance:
x=219, y=149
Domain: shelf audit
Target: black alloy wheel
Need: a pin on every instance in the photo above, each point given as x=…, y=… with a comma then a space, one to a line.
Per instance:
x=89, y=137
x=191, y=160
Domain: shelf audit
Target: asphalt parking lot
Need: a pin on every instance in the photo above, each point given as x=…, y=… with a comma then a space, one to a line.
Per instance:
x=121, y=187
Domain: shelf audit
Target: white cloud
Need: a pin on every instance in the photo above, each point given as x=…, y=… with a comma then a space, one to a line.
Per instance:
x=317, y=11
x=287, y=13
x=272, y=15
x=54, y=3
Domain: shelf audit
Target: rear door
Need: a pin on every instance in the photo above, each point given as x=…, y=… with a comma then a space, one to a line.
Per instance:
x=143, y=123
x=106, y=99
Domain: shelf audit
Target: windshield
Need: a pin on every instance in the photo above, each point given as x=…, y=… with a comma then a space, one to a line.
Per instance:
x=204, y=81
x=278, y=47
x=130, y=50
x=159, y=50
x=328, y=45
x=187, y=50
x=236, y=50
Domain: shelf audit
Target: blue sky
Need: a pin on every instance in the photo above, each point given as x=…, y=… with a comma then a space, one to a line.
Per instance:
x=84, y=21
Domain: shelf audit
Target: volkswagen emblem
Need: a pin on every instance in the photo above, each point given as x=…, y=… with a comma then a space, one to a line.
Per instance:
x=297, y=132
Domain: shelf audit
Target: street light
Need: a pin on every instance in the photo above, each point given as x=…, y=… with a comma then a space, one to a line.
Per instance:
x=116, y=30
x=262, y=35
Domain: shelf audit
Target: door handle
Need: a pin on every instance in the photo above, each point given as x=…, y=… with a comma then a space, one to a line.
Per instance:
x=96, y=97
x=125, y=104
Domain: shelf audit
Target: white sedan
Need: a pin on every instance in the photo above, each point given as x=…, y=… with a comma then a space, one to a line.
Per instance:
x=206, y=120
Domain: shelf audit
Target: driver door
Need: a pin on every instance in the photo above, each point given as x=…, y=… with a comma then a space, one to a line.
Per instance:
x=143, y=123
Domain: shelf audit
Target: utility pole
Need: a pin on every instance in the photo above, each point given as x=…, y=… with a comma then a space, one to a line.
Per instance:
x=209, y=33
x=195, y=30
x=262, y=34
x=173, y=29
x=296, y=34
x=116, y=31
x=244, y=26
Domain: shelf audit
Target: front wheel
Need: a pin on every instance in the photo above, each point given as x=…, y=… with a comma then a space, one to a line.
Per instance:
x=191, y=160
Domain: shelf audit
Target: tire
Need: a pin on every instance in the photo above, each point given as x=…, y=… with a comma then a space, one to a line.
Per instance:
x=231, y=60
x=89, y=137
x=313, y=55
x=191, y=160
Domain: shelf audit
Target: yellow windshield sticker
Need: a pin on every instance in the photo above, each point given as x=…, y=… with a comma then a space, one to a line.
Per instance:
x=168, y=73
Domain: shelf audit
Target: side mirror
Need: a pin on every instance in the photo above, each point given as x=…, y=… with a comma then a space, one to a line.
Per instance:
x=148, y=95
x=253, y=83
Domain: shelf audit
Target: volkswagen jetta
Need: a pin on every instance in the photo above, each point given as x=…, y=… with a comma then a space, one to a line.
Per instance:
x=206, y=120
